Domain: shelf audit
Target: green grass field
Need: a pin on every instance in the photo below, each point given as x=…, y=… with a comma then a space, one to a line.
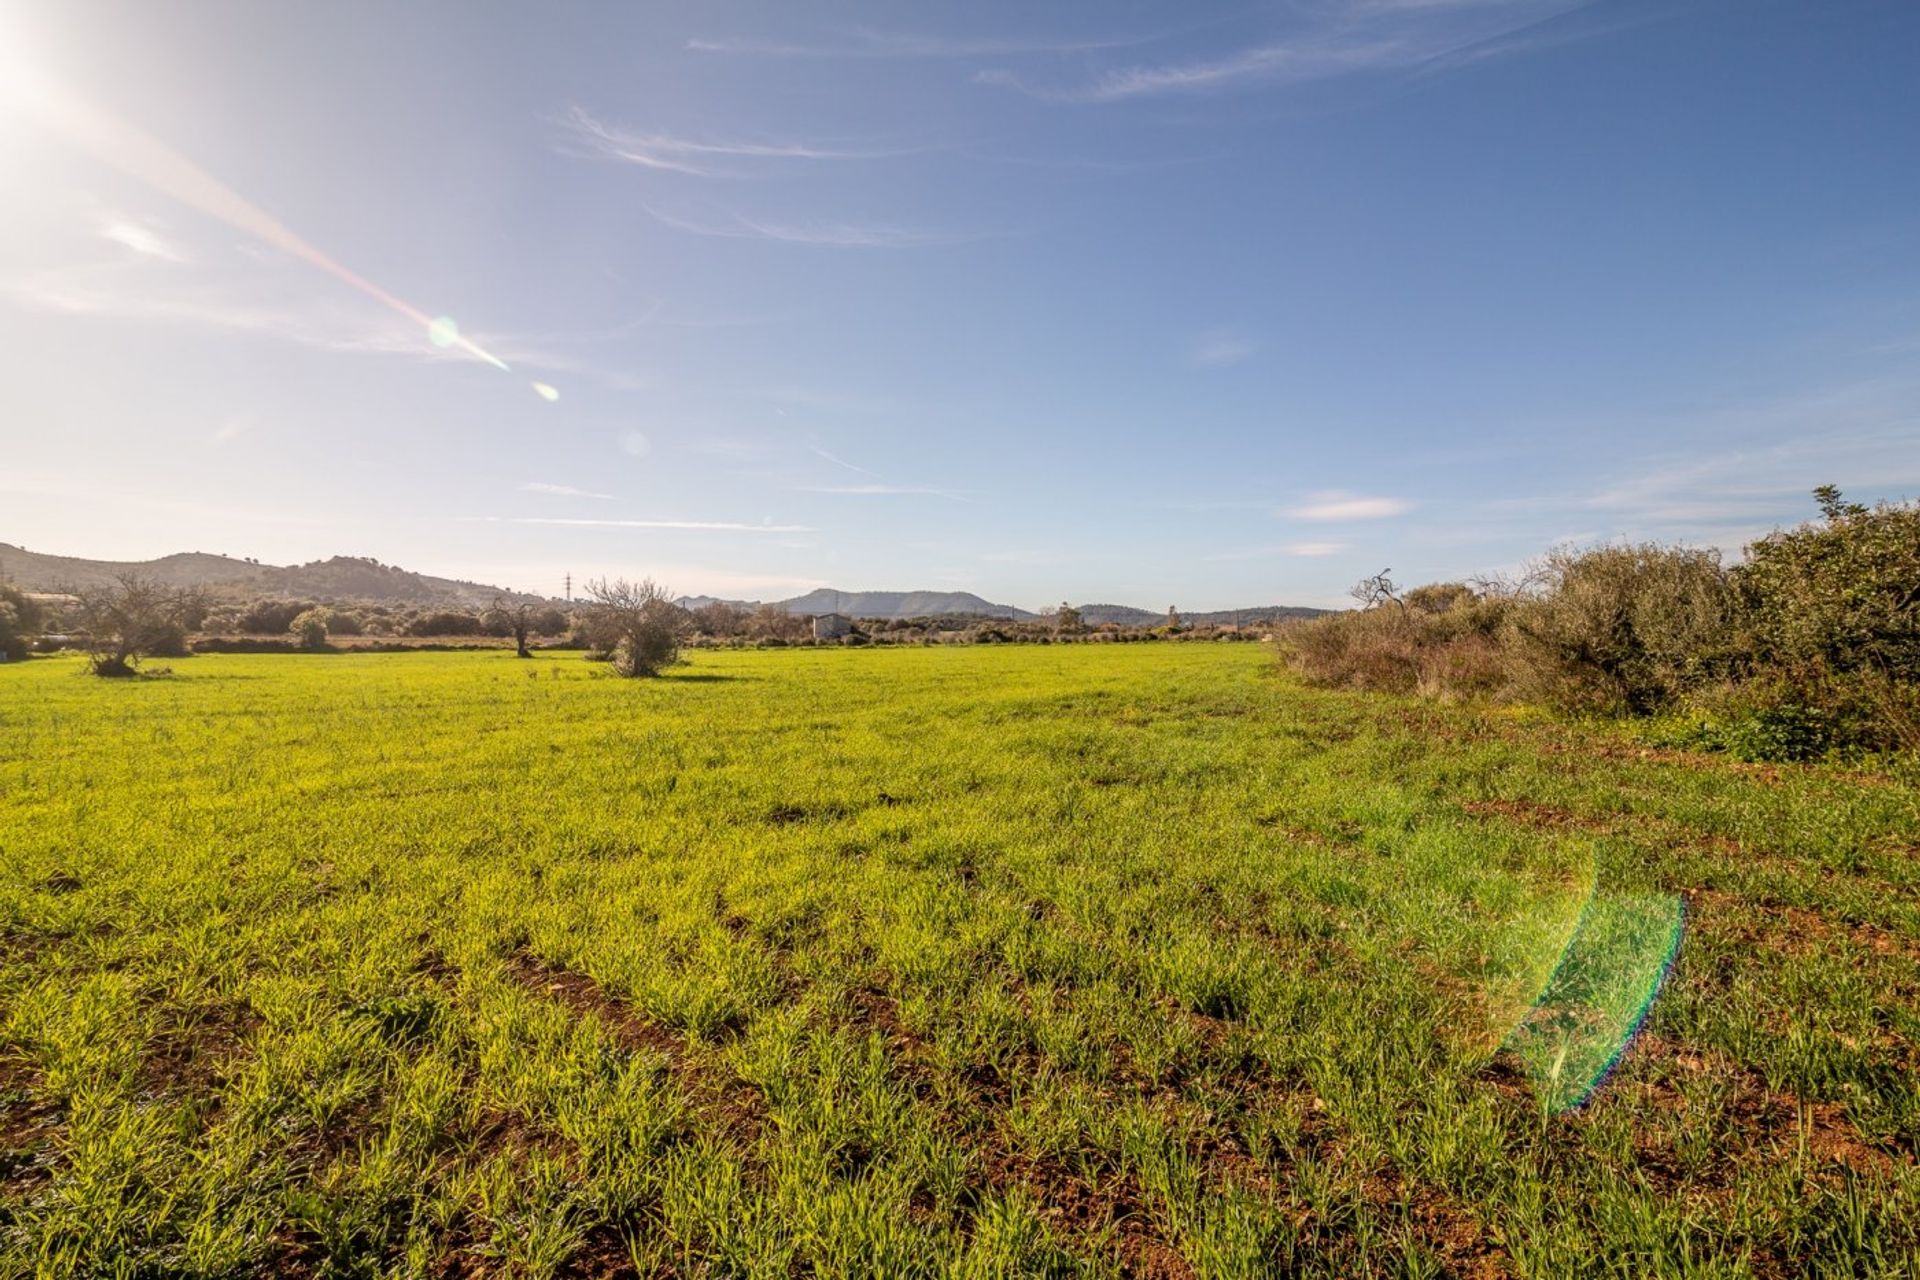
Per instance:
x=1089, y=960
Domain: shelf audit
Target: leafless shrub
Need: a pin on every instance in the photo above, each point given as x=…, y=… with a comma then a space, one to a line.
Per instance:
x=1442, y=640
x=133, y=617
x=635, y=625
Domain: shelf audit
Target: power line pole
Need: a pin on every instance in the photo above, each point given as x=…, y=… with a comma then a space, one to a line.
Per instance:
x=569, y=588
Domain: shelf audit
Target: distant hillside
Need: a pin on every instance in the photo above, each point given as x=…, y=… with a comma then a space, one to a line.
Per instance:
x=1126, y=615
x=899, y=604
x=352, y=578
x=928, y=604
x=877, y=604
x=1263, y=613
x=340, y=578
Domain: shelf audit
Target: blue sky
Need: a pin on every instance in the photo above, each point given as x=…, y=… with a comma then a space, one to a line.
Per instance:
x=1211, y=305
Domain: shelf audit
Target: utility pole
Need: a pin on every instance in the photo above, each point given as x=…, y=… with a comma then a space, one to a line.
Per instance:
x=569, y=587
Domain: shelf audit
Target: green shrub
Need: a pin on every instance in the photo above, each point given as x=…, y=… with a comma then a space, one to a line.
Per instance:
x=445, y=622
x=1626, y=628
x=20, y=618
x=270, y=617
x=1838, y=596
x=310, y=628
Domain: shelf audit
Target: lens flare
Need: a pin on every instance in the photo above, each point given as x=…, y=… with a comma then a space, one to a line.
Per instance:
x=545, y=392
x=1599, y=996
x=139, y=154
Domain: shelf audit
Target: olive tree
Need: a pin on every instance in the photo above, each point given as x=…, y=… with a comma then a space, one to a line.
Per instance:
x=635, y=626
x=131, y=617
x=312, y=626
x=512, y=618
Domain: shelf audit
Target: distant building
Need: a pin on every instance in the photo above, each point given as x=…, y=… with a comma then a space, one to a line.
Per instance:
x=831, y=626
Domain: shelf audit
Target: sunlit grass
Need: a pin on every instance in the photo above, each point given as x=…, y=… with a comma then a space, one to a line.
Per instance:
x=1059, y=960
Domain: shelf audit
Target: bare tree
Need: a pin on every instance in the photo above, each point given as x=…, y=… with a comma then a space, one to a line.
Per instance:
x=130, y=618
x=719, y=618
x=771, y=622
x=514, y=619
x=636, y=625
x=1377, y=589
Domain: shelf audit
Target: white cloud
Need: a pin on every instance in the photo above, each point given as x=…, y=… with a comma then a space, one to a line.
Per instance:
x=834, y=235
x=140, y=238
x=1335, y=504
x=668, y=152
x=1360, y=36
x=1265, y=63
x=560, y=490
x=1218, y=348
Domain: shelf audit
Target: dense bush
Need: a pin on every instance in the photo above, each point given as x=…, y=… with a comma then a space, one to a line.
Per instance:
x=1622, y=628
x=1841, y=596
x=270, y=617
x=1810, y=645
x=1440, y=640
x=445, y=622
x=635, y=626
x=19, y=620
x=310, y=628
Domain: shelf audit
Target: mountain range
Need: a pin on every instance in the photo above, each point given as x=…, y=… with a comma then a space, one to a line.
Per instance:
x=931, y=604
x=353, y=578
x=339, y=578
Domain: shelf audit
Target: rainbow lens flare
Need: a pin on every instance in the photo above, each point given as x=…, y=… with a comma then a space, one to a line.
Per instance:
x=1615, y=962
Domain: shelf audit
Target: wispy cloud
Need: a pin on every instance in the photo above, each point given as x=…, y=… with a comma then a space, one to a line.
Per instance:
x=696, y=526
x=862, y=42
x=1300, y=549
x=1344, y=39
x=1218, y=348
x=586, y=135
x=839, y=461
x=834, y=235
x=140, y=238
x=880, y=490
x=560, y=490
x=876, y=486
x=1337, y=504
x=1266, y=63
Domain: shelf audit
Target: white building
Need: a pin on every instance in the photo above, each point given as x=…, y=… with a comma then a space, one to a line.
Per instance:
x=831, y=626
